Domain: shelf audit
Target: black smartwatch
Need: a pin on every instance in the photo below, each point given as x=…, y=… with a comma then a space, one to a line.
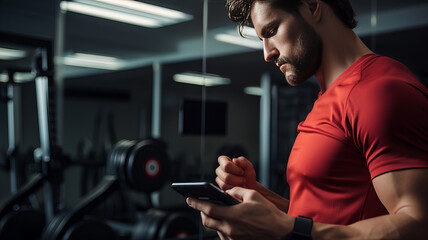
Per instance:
x=302, y=229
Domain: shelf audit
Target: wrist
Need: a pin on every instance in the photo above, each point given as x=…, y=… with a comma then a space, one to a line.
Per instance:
x=259, y=187
x=302, y=229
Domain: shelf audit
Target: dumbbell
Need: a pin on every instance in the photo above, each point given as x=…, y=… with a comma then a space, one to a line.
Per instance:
x=141, y=166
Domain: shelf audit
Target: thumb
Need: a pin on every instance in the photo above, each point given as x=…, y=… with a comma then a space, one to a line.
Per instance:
x=239, y=193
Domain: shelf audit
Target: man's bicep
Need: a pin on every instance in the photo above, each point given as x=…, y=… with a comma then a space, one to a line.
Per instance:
x=404, y=191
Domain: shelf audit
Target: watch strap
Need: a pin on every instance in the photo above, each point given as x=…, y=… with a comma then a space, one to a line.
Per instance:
x=302, y=229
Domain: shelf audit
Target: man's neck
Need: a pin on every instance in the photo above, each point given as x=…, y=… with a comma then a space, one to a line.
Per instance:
x=341, y=48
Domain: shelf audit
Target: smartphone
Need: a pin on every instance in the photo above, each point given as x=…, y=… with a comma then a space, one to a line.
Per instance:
x=204, y=191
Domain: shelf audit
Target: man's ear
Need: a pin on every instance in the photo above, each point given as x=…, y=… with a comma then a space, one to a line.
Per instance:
x=315, y=9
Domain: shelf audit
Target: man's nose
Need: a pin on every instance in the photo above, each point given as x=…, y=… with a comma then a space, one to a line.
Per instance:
x=270, y=52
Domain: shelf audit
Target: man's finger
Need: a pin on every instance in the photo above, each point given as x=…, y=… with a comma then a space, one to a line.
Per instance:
x=242, y=194
x=243, y=163
x=222, y=184
x=228, y=178
x=222, y=236
x=227, y=165
x=210, y=209
x=210, y=222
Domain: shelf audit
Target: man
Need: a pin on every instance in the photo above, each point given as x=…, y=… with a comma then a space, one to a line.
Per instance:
x=359, y=165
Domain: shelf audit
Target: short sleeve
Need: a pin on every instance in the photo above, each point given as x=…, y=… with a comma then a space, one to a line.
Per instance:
x=387, y=118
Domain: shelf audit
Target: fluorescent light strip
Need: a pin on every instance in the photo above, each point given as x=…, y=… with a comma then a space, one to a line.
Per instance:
x=18, y=77
x=237, y=40
x=92, y=61
x=4, y=77
x=11, y=54
x=109, y=14
x=127, y=11
x=148, y=8
x=208, y=80
x=257, y=91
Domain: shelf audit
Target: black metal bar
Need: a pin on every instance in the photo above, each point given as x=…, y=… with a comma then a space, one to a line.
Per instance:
x=107, y=186
x=22, y=194
x=50, y=167
x=11, y=133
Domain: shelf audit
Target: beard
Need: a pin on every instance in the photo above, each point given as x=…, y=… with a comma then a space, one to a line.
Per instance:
x=305, y=59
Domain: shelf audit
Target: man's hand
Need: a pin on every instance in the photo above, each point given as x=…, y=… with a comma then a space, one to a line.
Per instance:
x=235, y=172
x=254, y=218
x=239, y=172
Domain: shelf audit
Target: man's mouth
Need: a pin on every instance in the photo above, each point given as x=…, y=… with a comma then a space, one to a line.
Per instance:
x=281, y=65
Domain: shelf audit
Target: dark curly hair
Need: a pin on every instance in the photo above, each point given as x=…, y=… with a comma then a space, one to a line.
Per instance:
x=240, y=10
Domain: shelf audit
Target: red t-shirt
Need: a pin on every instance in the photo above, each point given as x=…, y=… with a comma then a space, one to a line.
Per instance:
x=373, y=119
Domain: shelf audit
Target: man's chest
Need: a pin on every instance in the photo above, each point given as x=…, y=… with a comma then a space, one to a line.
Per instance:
x=321, y=159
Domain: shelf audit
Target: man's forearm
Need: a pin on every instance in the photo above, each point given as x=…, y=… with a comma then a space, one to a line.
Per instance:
x=396, y=226
x=280, y=202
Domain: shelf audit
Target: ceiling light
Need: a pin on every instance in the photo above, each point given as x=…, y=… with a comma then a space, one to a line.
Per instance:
x=257, y=91
x=250, y=38
x=201, y=79
x=92, y=61
x=11, y=54
x=127, y=11
x=148, y=8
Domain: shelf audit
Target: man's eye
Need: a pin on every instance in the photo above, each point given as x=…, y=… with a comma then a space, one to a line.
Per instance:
x=272, y=32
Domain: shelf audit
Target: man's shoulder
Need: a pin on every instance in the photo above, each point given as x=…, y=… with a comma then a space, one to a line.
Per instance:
x=386, y=84
x=381, y=66
x=383, y=73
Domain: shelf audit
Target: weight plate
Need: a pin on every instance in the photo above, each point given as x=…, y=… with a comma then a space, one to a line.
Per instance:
x=51, y=231
x=118, y=158
x=111, y=167
x=123, y=159
x=147, y=166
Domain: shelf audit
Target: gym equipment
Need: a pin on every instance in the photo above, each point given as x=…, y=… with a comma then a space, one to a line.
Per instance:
x=18, y=221
x=71, y=225
x=156, y=224
x=138, y=165
x=141, y=166
x=93, y=155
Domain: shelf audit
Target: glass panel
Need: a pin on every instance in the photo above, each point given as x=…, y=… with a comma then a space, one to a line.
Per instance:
x=139, y=99
x=244, y=66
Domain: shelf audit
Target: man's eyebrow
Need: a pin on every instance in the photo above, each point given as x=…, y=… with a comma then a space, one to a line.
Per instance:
x=266, y=28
